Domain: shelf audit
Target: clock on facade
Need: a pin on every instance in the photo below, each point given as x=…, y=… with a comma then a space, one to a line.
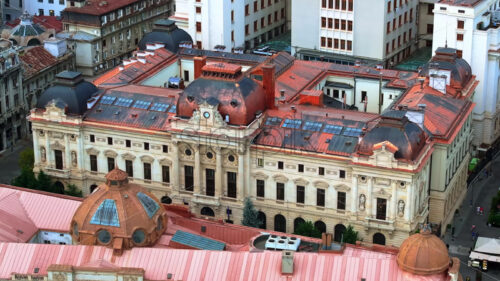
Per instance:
x=206, y=114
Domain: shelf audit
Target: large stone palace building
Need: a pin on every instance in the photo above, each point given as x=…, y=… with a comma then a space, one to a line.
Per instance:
x=382, y=150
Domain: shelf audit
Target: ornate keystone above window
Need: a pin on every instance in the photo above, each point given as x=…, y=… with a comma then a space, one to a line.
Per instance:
x=110, y=153
x=56, y=145
x=381, y=193
x=92, y=151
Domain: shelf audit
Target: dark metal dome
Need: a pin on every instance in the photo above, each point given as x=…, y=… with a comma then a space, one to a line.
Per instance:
x=447, y=59
x=165, y=32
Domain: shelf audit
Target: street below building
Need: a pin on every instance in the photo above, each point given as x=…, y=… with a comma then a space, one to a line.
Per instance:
x=9, y=161
x=460, y=243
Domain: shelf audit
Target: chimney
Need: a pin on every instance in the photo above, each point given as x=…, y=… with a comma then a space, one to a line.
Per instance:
x=268, y=81
x=199, y=63
x=287, y=262
x=328, y=240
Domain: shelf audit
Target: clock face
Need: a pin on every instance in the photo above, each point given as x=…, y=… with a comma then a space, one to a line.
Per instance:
x=206, y=114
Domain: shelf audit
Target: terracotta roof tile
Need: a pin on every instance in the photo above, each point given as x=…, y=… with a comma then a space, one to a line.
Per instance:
x=35, y=60
x=46, y=21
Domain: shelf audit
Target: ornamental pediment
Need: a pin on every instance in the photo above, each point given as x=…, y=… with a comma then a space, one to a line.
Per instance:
x=165, y=162
x=128, y=156
x=57, y=145
x=300, y=181
x=342, y=187
x=92, y=151
x=280, y=178
x=381, y=193
x=321, y=184
x=147, y=159
x=110, y=153
x=260, y=175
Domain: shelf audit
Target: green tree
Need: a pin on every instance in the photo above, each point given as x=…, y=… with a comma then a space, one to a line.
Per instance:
x=350, y=235
x=72, y=190
x=25, y=179
x=250, y=214
x=308, y=229
x=44, y=182
x=27, y=159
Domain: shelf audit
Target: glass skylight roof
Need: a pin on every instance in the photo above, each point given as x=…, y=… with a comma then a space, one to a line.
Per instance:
x=161, y=107
x=107, y=100
x=150, y=205
x=125, y=102
x=332, y=129
x=352, y=132
x=141, y=104
x=106, y=214
x=273, y=121
x=173, y=109
x=312, y=126
x=292, y=123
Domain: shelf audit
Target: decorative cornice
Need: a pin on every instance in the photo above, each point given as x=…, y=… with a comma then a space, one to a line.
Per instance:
x=260, y=175
x=147, y=159
x=165, y=162
x=128, y=156
x=93, y=151
x=300, y=181
x=321, y=184
x=280, y=178
x=110, y=153
x=342, y=187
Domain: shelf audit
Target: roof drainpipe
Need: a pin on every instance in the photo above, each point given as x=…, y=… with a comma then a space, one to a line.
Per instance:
x=268, y=81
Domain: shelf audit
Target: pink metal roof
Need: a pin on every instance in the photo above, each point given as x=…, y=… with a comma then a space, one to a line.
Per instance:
x=353, y=264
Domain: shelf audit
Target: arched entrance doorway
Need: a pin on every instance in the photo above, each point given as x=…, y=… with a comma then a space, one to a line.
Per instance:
x=93, y=187
x=321, y=226
x=379, y=238
x=206, y=211
x=262, y=218
x=279, y=223
x=59, y=187
x=296, y=223
x=338, y=231
x=166, y=200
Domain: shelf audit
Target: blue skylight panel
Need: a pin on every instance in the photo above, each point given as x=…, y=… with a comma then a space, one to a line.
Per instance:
x=108, y=99
x=106, y=214
x=141, y=104
x=273, y=121
x=312, y=126
x=161, y=107
x=332, y=129
x=125, y=102
x=292, y=123
x=150, y=205
x=352, y=132
x=173, y=109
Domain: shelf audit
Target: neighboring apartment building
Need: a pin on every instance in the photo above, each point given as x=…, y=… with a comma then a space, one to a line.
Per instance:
x=339, y=30
x=103, y=33
x=12, y=110
x=45, y=7
x=12, y=9
x=244, y=128
x=426, y=22
x=472, y=27
x=220, y=23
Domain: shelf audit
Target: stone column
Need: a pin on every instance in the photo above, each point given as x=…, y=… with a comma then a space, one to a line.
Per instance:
x=248, y=172
x=218, y=172
x=81, y=152
x=394, y=200
x=36, y=147
x=197, y=169
x=48, y=151
x=354, y=199
x=369, y=198
x=175, y=166
x=67, y=155
x=241, y=176
x=409, y=202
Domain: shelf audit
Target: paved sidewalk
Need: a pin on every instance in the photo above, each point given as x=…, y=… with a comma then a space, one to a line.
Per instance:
x=9, y=167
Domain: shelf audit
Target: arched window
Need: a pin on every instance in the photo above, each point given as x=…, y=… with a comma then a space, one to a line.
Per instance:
x=338, y=232
x=166, y=200
x=321, y=226
x=379, y=238
x=34, y=42
x=59, y=187
x=206, y=211
x=296, y=222
x=93, y=187
x=279, y=223
x=262, y=218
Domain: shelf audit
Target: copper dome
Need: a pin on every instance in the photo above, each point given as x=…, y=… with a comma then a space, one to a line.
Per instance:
x=119, y=215
x=423, y=254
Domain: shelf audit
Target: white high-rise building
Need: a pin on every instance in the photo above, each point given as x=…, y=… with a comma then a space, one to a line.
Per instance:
x=346, y=30
x=45, y=7
x=229, y=23
x=471, y=26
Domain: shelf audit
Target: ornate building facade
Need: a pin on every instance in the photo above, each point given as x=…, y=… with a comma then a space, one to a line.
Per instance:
x=265, y=130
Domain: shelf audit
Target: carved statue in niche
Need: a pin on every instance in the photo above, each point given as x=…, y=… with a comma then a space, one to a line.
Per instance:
x=362, y=201
x=42, y=154
x=73, y=158
x=401, y=208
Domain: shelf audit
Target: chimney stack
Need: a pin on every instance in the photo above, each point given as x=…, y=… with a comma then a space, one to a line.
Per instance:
x=268, y=81
x=199, y=63
x=287, y=262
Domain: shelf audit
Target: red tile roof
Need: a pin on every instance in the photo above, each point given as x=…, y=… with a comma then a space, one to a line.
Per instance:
x=36, y=59
x=46, y=21
x=100, y=7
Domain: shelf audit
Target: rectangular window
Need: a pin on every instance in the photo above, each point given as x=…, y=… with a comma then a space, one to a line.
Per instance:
x=262, y=4
x=188, y=178
x=59, y=159
x=335, y=43
x=343, y=25
x=320, y=197
x=301, y=194
x=146, y=146
x=198, y=26
x=260, y=188
x=232, y=16
x=111, y=164
x=129, y=168
x=210, y=182
x=350, y=5
x=388, y=27
x=460, y=24
x=381, y=208
x=262, y=22
x=110, y=140
x=321, y=171
x=341, y=196
x=165, y=174
x=260, y=162
x=93, y=163
x=147, y=171
x=255, y=6
x=231, y=184
x=323, y=42
x=337, y=24
x=92, y=138
x=342, y=44
x=301, y=168
x=323, y=22
x=198, y=10
x=255, y=25
x=127, y=143
x=323, y=4
x=389, y=7
x=247, y=30
x=247, y=10
x=165, y=148
x=330, y=23
x=329, y=42
x=459, y=53
x=349, y=25
x=342, y=172
x=460, y=37
x=280, y=165
x=280, y=191
x=337, y=4
x=349, y=45
x=430, y=28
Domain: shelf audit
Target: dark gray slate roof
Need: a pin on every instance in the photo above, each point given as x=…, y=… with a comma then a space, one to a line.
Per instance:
x=196, y=241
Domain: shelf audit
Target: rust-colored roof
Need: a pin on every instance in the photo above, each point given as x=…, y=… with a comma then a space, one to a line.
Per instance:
x=222, y=68
x=423, y=254
x=46, y=21
x=36, y=59
x=100, y=7
x=464, y=3
x=117, y=175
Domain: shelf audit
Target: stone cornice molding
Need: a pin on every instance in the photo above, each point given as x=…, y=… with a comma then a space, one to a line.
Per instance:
x=147, y=159
x=300, y=181
x=280, y=178
x=165, y=162
x=110, y=153
x=260, y=175
x=92, y=151
x=342, y=187
x=321, y=184
x=128, y=156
